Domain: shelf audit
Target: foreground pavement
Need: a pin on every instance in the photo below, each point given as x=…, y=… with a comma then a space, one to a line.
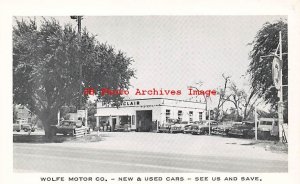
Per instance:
x=149, y=152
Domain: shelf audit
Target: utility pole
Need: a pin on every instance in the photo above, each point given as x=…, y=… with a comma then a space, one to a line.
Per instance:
x=78, y=19
x=255, y=121
x=280, y=90
x=208, y=122
x=277, y=80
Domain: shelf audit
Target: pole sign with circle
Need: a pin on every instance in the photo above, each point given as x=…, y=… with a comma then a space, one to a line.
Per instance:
x=276, y=72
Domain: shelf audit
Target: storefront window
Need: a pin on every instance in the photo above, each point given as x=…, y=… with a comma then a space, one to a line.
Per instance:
x=125, y=120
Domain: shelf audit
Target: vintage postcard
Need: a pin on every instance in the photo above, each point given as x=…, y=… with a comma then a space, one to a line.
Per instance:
x=168, y=97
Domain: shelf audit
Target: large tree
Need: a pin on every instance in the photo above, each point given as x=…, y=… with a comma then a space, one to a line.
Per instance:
x=223, y=97
x=46, y=62
x=260, y=68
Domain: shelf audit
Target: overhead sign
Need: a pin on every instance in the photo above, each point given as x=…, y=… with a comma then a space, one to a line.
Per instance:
x=124, y=103
x=276, y=72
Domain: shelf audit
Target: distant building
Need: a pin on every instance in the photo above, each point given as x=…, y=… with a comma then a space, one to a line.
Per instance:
x=23, y=113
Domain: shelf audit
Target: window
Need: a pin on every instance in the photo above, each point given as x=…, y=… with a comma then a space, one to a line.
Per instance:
x=180, y=115
x=200, y=116
x=191, y=116
x=168, y=113
x=266, y=123
x=125, y=120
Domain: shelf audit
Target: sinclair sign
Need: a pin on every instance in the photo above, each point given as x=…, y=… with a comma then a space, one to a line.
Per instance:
x=123, y=104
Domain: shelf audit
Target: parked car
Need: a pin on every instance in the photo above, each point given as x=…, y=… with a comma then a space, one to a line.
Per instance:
x=22, y=124
x=203, y=127
x=221, y=129
x=28, y=127
x=268, y=128
x=243, y=129
x=178, y=127
x=122, y=128
x=165, y=127
x=188, y=128
x=68, y=127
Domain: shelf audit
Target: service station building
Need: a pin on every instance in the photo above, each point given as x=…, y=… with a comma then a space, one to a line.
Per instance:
x=144, y=114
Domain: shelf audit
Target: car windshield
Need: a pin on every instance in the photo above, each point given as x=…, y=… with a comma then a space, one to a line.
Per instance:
x=266, y=123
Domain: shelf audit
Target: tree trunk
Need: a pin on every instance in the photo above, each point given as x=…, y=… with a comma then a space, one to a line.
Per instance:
x=48, y=121
x=48, y=131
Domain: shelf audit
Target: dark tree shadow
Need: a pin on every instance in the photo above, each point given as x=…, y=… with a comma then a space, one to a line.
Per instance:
x=40, y=139
x=18, y=138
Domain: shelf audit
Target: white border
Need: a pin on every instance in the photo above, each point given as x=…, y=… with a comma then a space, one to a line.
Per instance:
x=146, y=7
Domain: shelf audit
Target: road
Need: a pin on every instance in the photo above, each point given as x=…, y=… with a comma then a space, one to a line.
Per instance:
x=108, y=156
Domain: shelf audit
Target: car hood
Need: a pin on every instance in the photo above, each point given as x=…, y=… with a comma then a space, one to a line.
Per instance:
x=242, y=127
x=179, y=125
x=66, y=127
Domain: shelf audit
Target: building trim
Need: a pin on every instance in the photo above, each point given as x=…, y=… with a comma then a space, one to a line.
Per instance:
x=158, y=99
x=149, y=106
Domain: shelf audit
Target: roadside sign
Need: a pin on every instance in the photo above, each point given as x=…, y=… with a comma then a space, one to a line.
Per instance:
x=276, y=68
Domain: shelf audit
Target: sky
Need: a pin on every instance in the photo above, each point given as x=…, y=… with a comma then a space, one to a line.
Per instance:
x=174, y=52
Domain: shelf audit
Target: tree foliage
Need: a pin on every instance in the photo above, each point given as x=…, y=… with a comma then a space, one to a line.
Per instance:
x=46, y=62
x=260, y=69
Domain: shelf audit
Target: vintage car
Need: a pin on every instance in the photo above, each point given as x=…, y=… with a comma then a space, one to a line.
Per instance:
x=23, y=125
x=178, y=127
x=268, y=128
x=243, y=129
x=165, y=128
x=122, y=128
x=203, y=127
x=221, y=129
x=67, y=127
x=188, y=128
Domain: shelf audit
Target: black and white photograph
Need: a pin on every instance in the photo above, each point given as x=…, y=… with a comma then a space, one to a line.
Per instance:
x=150, y=94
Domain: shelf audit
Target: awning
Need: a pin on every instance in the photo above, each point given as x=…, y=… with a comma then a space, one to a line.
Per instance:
x=114, y=112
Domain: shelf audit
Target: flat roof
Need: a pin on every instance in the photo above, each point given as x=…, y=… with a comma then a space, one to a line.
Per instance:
x=160, y=98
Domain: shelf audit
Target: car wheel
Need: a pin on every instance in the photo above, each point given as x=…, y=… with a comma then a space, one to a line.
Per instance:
x=65, y=133
x=25, y=129
x=18, y=130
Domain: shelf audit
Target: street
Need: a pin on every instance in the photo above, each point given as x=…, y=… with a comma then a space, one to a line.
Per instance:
x=136, y=152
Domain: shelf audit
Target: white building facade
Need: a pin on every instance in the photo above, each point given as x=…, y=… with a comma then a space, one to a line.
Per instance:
x=144, y=114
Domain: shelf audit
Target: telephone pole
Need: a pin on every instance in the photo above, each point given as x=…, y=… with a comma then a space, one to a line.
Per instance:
x=280, y=90
x=78, y=19
x=277, y=80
